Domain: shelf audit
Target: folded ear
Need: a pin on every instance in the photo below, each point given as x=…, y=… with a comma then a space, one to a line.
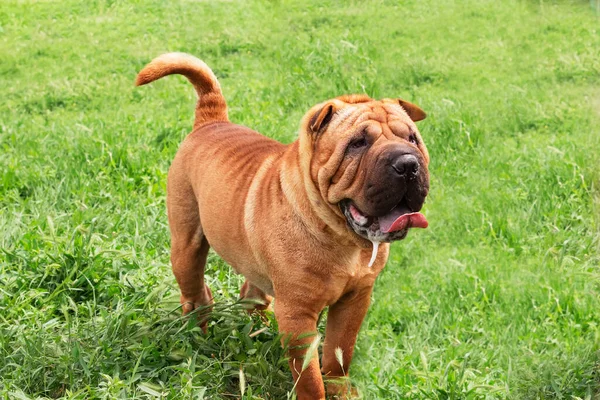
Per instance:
x=414, y=112
x=321, y=118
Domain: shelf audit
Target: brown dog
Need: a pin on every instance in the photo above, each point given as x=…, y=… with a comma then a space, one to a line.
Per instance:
x=302, y=222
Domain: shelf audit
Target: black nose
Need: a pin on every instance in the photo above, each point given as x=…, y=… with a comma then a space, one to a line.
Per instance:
x=406, y=165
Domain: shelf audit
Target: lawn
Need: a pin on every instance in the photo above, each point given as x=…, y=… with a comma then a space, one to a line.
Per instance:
x=498, y=299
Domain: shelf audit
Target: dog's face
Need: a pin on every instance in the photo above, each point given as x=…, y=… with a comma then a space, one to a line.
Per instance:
x=369, y=163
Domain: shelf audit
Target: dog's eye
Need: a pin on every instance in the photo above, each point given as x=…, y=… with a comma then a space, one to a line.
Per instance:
x=413, y=139
x=358, y=143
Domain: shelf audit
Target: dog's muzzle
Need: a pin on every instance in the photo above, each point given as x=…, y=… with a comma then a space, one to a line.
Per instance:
x=393, y=200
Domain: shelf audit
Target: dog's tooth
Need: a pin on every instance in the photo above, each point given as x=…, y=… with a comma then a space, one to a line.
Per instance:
x=374, y=255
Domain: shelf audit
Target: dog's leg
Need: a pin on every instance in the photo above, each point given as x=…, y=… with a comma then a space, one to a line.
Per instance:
x=260, y=301
x=188, y=260
x=299, y=327
x=189, y=247
x=343, y=323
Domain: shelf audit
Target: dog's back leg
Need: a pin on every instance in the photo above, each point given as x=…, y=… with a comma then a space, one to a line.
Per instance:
x=189, y=246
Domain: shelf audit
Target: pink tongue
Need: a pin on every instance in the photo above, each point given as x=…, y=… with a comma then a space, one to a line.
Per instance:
x=396, y=221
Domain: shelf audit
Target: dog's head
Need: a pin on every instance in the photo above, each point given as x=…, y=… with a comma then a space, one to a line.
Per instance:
x=369, y=163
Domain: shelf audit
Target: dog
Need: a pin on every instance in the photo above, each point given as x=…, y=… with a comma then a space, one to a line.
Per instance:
x=308, y=223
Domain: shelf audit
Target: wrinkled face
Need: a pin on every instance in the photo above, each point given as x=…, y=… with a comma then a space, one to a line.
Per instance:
x=370, y=164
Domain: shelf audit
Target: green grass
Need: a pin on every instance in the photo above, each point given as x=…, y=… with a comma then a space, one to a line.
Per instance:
x=499, y=298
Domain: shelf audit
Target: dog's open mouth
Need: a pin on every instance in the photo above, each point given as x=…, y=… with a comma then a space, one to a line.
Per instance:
x=391, y=226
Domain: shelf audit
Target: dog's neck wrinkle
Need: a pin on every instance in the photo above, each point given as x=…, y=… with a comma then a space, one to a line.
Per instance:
x=312, y=207
x=290, y=178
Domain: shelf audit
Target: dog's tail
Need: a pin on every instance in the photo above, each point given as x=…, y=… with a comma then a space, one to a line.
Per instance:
x=211, y=104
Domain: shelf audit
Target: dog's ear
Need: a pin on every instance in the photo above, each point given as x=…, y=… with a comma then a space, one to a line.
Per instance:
x=414, y=112
x=319, y=120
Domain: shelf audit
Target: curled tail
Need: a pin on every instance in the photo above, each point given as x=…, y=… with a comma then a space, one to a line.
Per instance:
x=211, y=104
